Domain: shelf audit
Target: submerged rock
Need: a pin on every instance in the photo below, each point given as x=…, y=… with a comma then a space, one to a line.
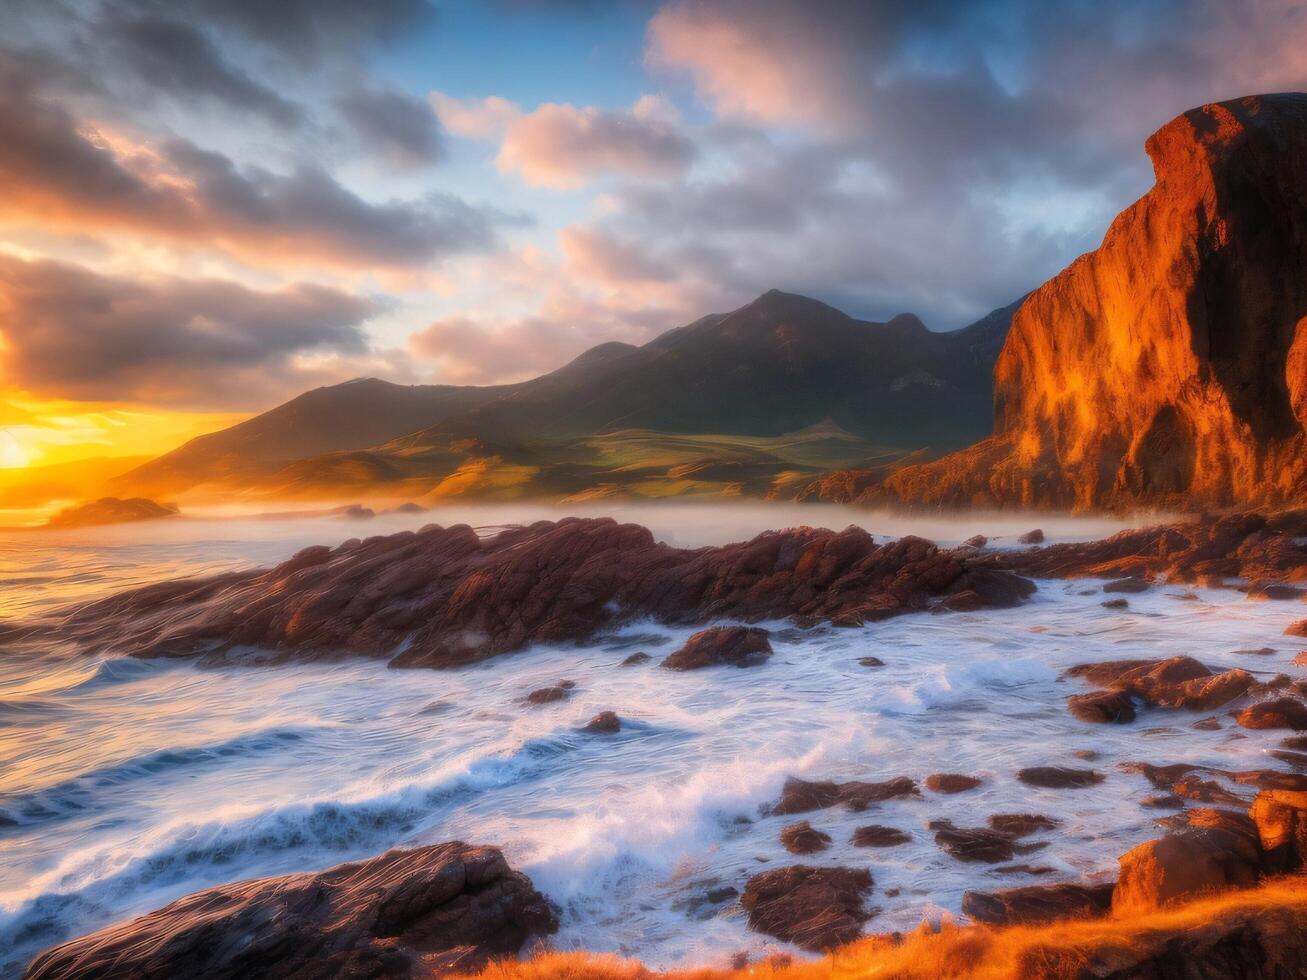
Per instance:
x=734, y=646
x=1021, y=824
x=975, y=843
x=637, y=658
x=411, y=913
x=1059, y=777
x=1103, y=707
x=814, y=908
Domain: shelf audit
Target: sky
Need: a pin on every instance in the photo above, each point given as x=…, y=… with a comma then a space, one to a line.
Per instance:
x=209, y=206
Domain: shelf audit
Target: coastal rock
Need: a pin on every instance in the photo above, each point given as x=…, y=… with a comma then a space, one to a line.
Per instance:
x=1218, y=849
x=1032, y=537
x=951, y=782
x=877, y=835
x=1280, y=713
x=1059, y=777
x=814, y=908
x=112, y=510
x=1281, y=819
x=1021, y=824
x=1297, y=629
x=1176, y=682
x=550, y=695
x=804, y=796
x=414, y=913
x=445, y=597
x=734, y=646
x=636, y=659
x=1129, y=585
x=803, y=838
x=1103, y=707
x=1038, y=903
x=1165, y=367
x=604, y=723
x=975, y=844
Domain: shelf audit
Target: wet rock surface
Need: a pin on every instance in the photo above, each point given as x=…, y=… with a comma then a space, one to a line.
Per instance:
x=1281, y=713
x=415, y=913
x=814, y=908
x=733, y=646
x=445, y=597
x=877, y=835
x=951, y=782
x=604, y=723
x=1059, y=777
x=803, y=838
x=804, y=796
x=1038, y=903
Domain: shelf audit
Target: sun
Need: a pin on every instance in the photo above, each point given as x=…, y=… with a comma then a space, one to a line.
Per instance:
x=12, y=454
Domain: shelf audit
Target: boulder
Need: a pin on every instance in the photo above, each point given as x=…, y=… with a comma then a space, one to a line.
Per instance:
x=814, y=908
x=734, y=646
x=1281, y=819
x=1103, y=707
x=975, y=844
x=403, y=914
x=1032, y=537
x=1216, y=850
x=1038, y=903
x=1297, y=629
x=604, y=723
x=1020, y=824
x=951, y=782
x=1059, y=777
x=1280, y=713
x=1128, y=585
x=636, y=659
x=803, y=838
x=550, y=695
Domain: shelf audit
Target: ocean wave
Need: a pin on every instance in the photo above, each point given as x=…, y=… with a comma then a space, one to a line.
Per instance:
x=92, y=886
x=86, y=791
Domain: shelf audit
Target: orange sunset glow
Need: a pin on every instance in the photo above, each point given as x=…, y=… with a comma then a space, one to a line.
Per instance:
x=653, y=489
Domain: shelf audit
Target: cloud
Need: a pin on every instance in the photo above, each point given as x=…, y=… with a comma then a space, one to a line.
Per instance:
x=71, y=333
x=562, y=146
x=55, y=169
x=479, y=119
x=596, y=255
x=177, y=59
x=402, y=128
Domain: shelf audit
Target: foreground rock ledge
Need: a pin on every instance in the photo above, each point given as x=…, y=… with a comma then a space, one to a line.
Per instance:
x=415, y=913
x=443, y=597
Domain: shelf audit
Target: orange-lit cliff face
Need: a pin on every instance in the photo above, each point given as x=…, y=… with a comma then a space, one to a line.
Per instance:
x=1169, y=367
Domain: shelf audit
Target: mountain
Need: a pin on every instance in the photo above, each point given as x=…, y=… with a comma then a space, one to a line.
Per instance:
x=1168, y=367
x=350, y=416
x=796, y=385
x=779, y=364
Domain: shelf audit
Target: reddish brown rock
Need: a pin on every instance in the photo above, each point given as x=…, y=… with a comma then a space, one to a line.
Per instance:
x=803, y=838
x=1218, y=849
x=1116, y=604
x=1280, y=713
x=974, y=843
x=636, y=659
x=1021, y=824
x=1032, y=537
x=549, y=695
x=1281, y=819
x=404, y=914
x=877, y=835
x=1038, y=903
x=814, y=908
x=870, y=662
x=733, y=646
x=951, y=782
x=1298, y=629
x=604, y=723
x=803, y=796
x=1103, y=707
x=444, y=597
x=1177, y=682
x=1059, y=777
x=1165, y=367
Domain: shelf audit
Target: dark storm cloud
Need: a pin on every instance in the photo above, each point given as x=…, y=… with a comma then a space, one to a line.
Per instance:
x=396, y=126
x=72, y=333
x=177, y=58
x=52, y=170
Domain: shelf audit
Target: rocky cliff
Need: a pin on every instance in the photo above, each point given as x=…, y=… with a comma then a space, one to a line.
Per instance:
x=1169, y=366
